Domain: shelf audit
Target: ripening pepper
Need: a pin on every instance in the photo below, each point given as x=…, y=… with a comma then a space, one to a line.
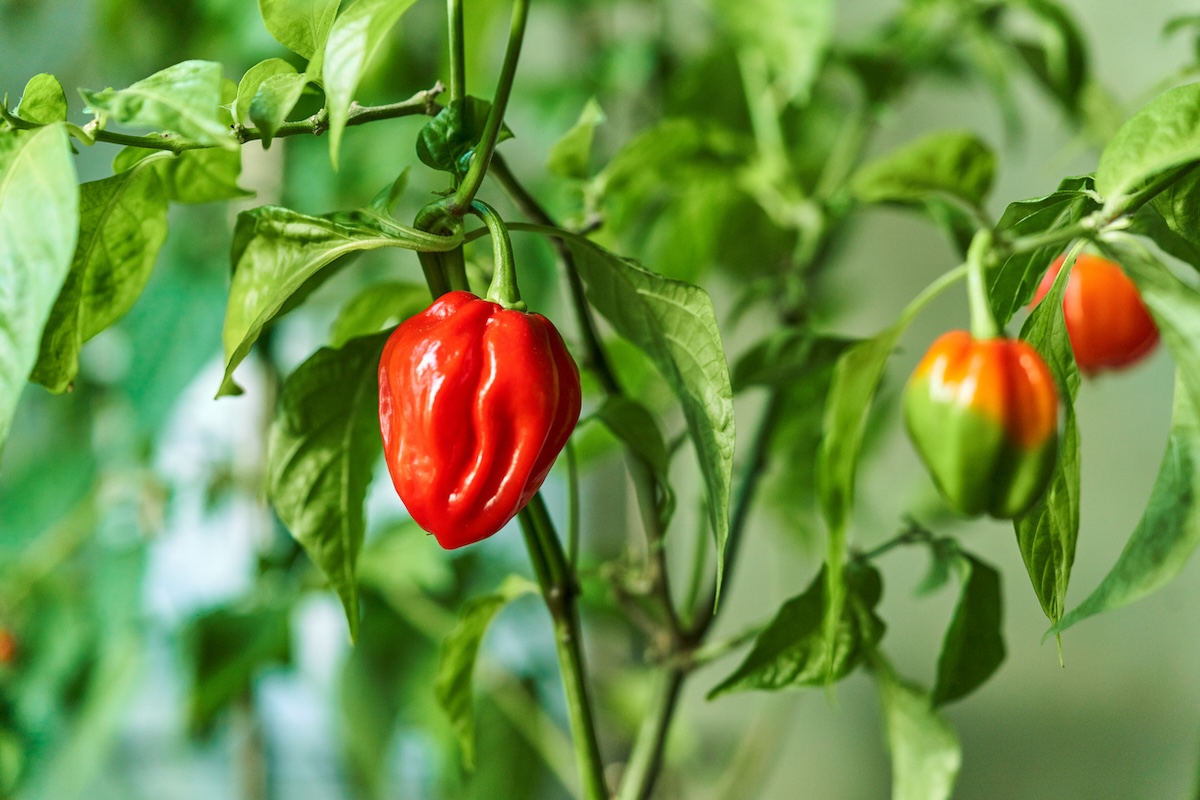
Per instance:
x=1107, y=323
x=983, y=415
x=475, y=403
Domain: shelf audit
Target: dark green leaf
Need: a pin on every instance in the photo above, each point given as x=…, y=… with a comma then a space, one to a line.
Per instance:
x=448, y=141
x=956, y=164
x=793, y=650
x=791, y=38
x=1059, y=60
x=1170, y=219
x=122, y=225
x=302, y=26
x=787, y=355
x=276, y=251
x=377, y=307
x=356, y=36
x=39, y=220
x=456, y=668
x=183, y=99
x=973, y=648
x=1046, y=534
x=274, y=100
x=570, y=156
x=926, y=756
x=43, y=101
x=635, y=426
x=675, y=325
x=1164, y=134
x=321, y=452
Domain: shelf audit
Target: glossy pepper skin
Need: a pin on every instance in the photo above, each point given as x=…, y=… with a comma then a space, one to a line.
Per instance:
x=1107, y=322
x=475, y=403
x=983, y=415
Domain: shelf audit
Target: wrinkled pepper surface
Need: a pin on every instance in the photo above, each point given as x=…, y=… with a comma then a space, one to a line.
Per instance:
x=1107, y=322
x=475, y=403
x=983, y=415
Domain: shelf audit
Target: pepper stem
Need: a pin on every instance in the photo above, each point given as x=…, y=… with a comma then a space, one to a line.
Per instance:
x=983, y=319
x=504, y=280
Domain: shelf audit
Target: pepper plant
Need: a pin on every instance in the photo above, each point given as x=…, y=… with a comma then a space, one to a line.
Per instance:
x=739, y=173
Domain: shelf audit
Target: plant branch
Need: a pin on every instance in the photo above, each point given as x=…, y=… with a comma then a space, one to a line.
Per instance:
x=645, y=760
x=458, y=68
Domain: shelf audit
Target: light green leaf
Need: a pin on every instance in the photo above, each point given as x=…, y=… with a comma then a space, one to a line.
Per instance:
x=956, y=164
x=276, y=251
x=122, y=225
x=973, y=647
x=301, y=26
x=254, y=78
x=386, y=198
x=376, y=308
x=274, y=100
x=1164, y=134
x=675, y=325
x=926, y=756
x=322, y=449
x=43, y=101
x=792, y=37
x=356, y=37
x=183, y=99
x=456, y=667
x=570, y=156
x=39, y=220
x=193, y=176
x=1170, y=219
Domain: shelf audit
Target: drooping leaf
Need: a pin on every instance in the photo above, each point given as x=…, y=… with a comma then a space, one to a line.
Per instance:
x=39, y=220
x=785, y=356
x=1169, y=219
x=184, y=99
x=1046, y=534
x=675, y=325
x=956, y=164
x=973, y=647
x=274, y=100
x=1164, y=134
x=301, y=26
x=276, y=251
x=377, y=307
x=792, y=38
x=570, y=156
x=356, y=36
x=320, y=455
x=794, y=650
x=456, y=667
x=385, y=200
x=122, y=225
x=636, y=428
x=193, y=176
x=1058, y=60
x=926, y=756
x=254, y=78
x=43, y=100
x=448, y=141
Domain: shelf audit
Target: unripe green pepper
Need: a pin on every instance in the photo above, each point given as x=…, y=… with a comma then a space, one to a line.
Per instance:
x=983, y=415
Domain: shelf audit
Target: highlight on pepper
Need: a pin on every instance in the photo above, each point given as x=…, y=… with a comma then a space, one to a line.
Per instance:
x=475, y=403
x=983, y=416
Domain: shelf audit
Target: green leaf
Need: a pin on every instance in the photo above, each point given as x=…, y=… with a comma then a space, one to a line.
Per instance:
x=1169, y=530
x=634, y=425
x=456, y=667
x=1059, y=60
x=228, y=648
x=956, y=164
x=791, y=37
x=973, y=648
x=376, y=308
x=1164, y=134
x=193, y=176
x=183, y=99
x=276, y=251
x=322, y=448
x=926, y=756
x=1013, y=282
x=570, y=156
x=301, y=26
x=43, y=101
x=385, y=201
x=675, y=325
x=1046, y=534
x=252, y=80
x=448, y=141
x=122, y=226
x=39, y=220
x=274, y=100
x=787, y=355
x=356, y=37
x=794, y=650
x=1169, y=219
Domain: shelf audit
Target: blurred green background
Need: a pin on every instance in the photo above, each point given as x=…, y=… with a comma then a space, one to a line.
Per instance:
x=173, y=642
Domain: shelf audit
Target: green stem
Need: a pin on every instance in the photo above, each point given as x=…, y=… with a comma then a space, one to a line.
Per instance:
x=645, y=760
x=573, y=510
x=504, y=279
x=983, y=319
x=458, y=58
x=559, y=593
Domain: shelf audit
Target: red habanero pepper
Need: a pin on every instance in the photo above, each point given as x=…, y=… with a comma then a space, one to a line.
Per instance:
x=477, y=398
x=1107, y=323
